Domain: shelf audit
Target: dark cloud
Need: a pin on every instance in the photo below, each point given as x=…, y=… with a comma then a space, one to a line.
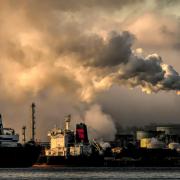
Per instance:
x=92, y=50
x=63, y=54
x=148, y=69
x=116, y=51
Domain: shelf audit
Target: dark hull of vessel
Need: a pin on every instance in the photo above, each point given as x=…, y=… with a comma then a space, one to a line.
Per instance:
x=143, y=157
x=22, y=156
x=128, y=158
x=74, y=160
x=78, y=162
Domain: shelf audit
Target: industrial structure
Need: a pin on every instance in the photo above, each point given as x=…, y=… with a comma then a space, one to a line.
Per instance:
x=161, y=138
x=33, y=106
x=69, y=147
x=13, y=153
x=144, y=148
x=64, y=142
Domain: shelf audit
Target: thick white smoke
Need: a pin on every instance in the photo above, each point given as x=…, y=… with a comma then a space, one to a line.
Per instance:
x=69, y=59
x=54, y=53
x=100, y=125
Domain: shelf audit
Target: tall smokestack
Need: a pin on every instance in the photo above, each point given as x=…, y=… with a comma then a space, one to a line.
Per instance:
x=24, y=134
x=67, y=122
x=1, y=125
x=33, y=122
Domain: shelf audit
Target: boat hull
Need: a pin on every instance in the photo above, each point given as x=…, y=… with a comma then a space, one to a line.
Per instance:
x=22, y=156
x=74, y=160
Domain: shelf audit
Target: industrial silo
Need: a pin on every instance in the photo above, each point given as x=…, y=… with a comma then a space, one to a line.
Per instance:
x=145, y=134
x=169, y=129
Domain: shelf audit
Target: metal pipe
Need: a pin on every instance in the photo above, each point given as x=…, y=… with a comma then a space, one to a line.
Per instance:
x=33, y=122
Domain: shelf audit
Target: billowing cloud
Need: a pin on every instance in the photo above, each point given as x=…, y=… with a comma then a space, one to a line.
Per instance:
x=100, y=125
x=64, y=54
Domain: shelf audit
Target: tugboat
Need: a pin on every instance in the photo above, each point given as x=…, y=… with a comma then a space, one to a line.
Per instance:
x=13, y=153
x=72, y=149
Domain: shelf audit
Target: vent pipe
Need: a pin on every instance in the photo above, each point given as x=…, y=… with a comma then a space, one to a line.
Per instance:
x=67, y=122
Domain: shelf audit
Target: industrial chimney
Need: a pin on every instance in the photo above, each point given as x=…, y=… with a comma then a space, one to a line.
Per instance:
x=24, y=134
x=33, y=122
x=1, y=125
x=67, y=122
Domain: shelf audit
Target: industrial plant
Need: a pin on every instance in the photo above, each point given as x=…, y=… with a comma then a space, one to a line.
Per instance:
x=157, y=146
x=16, y=154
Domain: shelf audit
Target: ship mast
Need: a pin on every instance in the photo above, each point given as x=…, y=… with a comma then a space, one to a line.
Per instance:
x=33, y=122
x=1, y=125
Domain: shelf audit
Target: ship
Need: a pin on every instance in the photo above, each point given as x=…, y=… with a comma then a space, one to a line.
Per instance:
x=14, y=154
x=69, y=148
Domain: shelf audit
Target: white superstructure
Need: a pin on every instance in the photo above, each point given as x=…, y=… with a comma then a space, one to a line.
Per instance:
x=8, y=137
x=63, y=142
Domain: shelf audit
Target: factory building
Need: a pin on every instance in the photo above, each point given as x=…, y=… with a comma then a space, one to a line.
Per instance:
x=152, y=143
x=169, y=129
x=165, y=136
x=145, y=134
x=123, y=140
x=170, y=133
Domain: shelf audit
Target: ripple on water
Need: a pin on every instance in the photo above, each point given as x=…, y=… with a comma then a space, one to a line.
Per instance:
x=53, y=173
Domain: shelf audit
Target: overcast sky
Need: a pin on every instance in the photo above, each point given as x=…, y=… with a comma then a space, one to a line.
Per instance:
x=106, y=62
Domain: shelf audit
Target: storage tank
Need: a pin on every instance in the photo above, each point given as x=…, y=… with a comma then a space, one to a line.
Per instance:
x=173, y=145
x=156, y=144
x=151, y=143
x=145, y=134
x=144, y=142
x=169, y=129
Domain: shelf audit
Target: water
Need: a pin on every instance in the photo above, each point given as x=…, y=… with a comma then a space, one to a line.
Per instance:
x=55, y=173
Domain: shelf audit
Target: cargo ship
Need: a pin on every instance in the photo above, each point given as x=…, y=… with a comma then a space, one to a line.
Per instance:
x=13, y=153
x=68, y=148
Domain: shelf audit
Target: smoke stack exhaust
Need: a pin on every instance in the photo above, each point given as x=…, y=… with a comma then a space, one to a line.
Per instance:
x=67, y=122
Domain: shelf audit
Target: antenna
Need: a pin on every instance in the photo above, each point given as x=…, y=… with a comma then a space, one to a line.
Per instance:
x=1, y=125
x=33, y=122
x=24, y=134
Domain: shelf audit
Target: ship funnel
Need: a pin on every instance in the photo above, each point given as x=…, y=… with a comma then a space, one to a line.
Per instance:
x=67, y=122
x=1, y=125
x=81, y=133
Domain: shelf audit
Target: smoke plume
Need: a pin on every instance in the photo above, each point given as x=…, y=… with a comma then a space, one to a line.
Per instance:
x=65, y=54
x=100, y=125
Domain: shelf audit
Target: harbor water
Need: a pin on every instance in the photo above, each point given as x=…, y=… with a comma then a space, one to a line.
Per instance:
x=55, y=173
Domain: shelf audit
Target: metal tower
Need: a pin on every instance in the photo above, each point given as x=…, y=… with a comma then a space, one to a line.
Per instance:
x=33, y=122
x=24, y=134
x=1, y=125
